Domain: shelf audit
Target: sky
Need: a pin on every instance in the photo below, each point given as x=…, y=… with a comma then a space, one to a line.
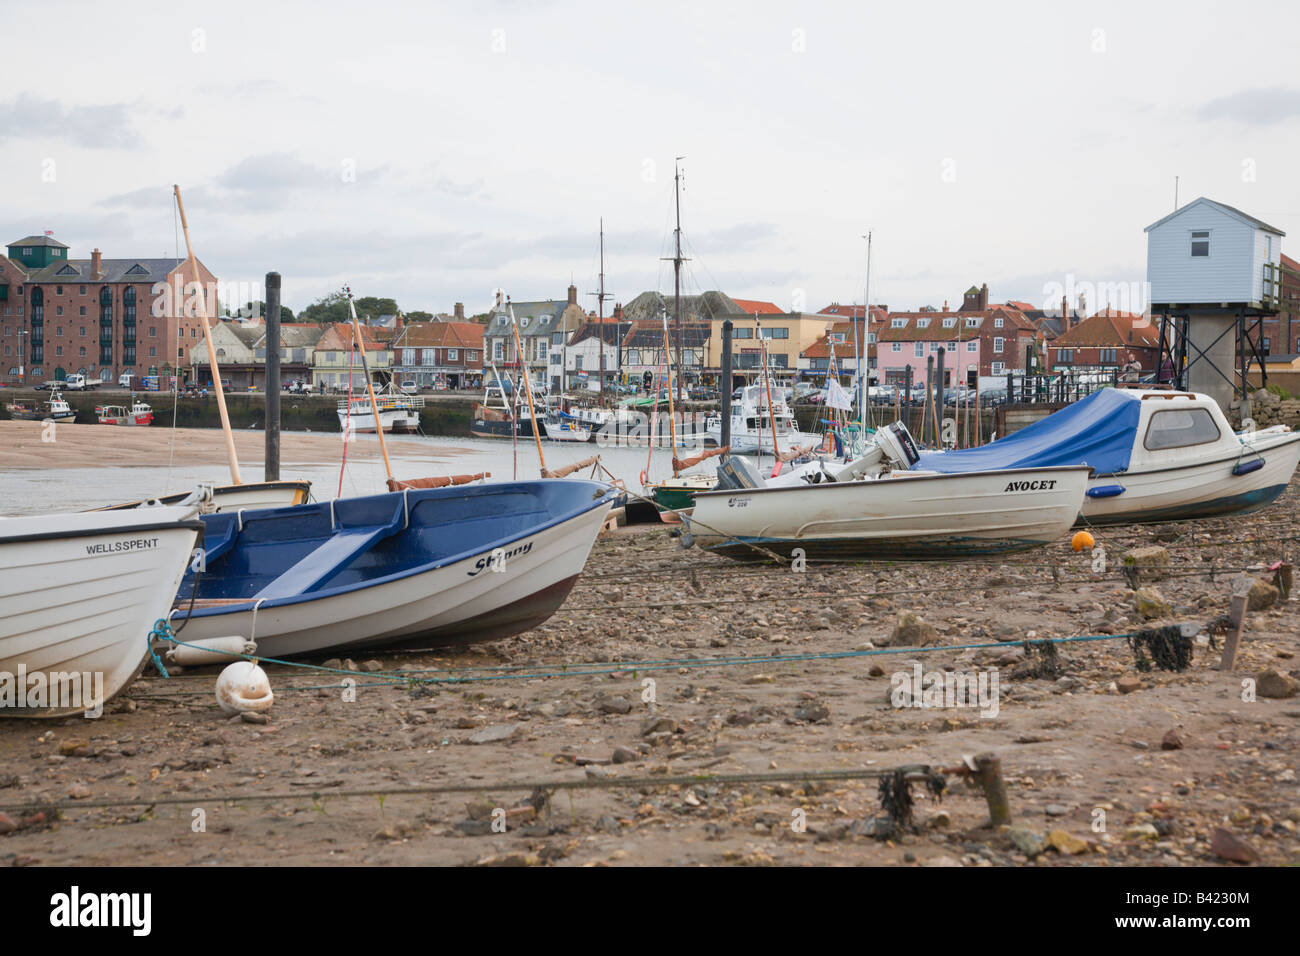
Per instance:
x=435, y=152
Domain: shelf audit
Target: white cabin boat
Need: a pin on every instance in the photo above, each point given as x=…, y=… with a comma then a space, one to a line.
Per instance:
x=876, y=508
x=752, y=423
x=138, y=414
x=397, y=412
x=79, y=594
x=1156, y=455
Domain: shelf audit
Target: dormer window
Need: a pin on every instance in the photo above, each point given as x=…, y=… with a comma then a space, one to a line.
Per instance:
x=898, y=324
x=922, y=323
x=1201, y=244
x=949, y=323
x=997, y=323
x=972, y=323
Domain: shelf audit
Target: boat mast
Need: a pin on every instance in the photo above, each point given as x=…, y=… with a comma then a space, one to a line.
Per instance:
x=528, y=387
x=672, y=413
x=866, y=327
x=600, y=309
x=370, y=388
x=677, y=272
x=212, y=351
x=771, y=410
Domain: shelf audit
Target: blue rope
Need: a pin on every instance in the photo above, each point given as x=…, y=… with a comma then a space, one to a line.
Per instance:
x=162, y=631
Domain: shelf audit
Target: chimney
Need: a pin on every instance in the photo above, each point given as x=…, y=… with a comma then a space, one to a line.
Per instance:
x=945, y=305
x=573, y=294
x=618, y=312
x=984, y=297
x=1083, y=306
x=96, y=266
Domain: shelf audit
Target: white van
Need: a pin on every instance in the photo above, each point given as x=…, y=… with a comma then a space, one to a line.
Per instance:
x=124, y=380
x=74, y=383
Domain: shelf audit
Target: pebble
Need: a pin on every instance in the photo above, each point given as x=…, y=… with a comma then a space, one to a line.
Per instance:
x=1227, y=846
x=493, y=734
x=1066, y=844
x=615, y=705
x=1270, y=683
x=1029, y=842
x=1127, y=685
x=1171, y=741
x=251, y=717
x=7, y=824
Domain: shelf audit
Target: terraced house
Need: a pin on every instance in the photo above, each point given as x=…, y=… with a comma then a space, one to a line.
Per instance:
x=336, y=359
x=447, y=354
x=544, y=327
x=993, y=341
x=97, y=317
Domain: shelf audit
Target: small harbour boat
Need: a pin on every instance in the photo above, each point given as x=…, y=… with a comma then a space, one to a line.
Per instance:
x=56, y=409
x=411, y=567
x=876, y=508
x=79, y=594
x=495, y=417
x=561, y=426
x=138, y=414
x=1156, y=455
x=397, y=413
x=753, y=422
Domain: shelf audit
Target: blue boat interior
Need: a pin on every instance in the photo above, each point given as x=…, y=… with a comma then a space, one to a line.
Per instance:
x=1097, y=431
x=285, y=553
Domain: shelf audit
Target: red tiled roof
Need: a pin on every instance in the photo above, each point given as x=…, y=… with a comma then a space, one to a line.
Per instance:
x=750, y=306
x=468, y=335
x=340, y=336
x=1116, y=330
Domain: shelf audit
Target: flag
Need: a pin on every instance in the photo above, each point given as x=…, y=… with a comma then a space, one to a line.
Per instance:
x=836, y=397
x=49, y=232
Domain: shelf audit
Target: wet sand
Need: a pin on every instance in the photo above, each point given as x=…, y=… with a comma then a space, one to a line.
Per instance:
x=27, y=445
x=1075, y=750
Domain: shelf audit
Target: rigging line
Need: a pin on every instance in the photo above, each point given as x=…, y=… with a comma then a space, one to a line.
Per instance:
x=176, y=395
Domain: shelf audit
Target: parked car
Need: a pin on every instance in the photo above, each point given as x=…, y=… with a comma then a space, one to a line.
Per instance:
x=125, y=379
x=46, y=386
x=409, y=388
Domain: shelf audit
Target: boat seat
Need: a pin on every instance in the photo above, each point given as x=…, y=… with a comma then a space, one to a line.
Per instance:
x=331, y=556
x=219, y=534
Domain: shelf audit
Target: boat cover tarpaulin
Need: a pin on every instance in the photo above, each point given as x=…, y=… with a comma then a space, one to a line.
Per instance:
x=1097, y=431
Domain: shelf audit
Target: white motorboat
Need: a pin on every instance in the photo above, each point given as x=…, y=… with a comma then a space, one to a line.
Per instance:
x=752, y=424
x=256, y=494
x=398, y=412
x=413, y=567
x=875, y=508
x=56, y=409
x=79, y=594
x=1156, y=455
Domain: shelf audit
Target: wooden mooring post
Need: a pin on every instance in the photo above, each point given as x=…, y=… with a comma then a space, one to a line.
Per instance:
x=1237, y=616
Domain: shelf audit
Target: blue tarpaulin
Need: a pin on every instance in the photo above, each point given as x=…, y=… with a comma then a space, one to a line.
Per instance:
x=1097, y=431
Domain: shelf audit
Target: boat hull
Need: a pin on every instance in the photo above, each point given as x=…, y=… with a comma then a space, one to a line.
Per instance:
x=255, y=495
x=490, y=428
x=463, y=601
x=82, y=602
x=1196, y=489
x=907, y=516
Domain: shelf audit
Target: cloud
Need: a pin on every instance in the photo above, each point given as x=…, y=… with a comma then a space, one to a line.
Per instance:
x=1262, y=106
x=96, y=127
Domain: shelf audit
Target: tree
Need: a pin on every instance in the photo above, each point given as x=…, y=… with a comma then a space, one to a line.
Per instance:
x=374, y=307
x=334, y=308
x=254, y=309
x=418, y=316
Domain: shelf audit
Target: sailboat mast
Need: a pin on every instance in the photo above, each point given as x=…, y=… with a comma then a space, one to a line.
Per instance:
x=212, y=349
x=370, y=387
x=672, y=411
x=866, y=326
x=600, y=309
x=677, y=273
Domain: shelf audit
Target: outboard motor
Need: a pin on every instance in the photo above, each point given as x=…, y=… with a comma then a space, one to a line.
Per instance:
x=899, y=446
x=738, y=474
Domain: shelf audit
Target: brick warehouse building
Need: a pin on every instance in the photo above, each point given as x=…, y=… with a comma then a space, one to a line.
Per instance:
x=97, y=317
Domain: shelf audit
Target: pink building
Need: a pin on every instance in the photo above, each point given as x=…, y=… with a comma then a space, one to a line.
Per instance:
x=911, y=338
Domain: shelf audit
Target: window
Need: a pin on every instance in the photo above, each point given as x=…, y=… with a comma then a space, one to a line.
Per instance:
x=153, y=331
x=737, y=333
x=152, y=351
x=920, y=349
x=1065, y=355
x=83, y=310
x=896, y=346
x=58, y=310
x=871, y=338
x=577, y=363
x=180, y=353
x=58, y=290
x=1266, y=344
x=898, y=323
x=83, y=330
x=58, y=350
x=776, y=333
x=999, y=368
x=836, y=337
x=997, y=323
x=498, y=353
x=1106, y=355
x=58, y=331
x=82, y=290
x=922, y=323
x=453, y=355
x=973, y=345
x=972, y=323
x=1201, y=245
x=949, y=323
x=1179, y=428
x=408, y=356
x=998, y=342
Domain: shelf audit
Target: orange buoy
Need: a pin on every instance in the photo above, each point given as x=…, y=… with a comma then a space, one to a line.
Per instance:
x=1082, y=541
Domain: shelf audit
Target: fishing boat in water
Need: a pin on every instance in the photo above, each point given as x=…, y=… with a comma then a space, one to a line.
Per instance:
x=1155, y=455
x=138, y=414
x=56, y=409
x=406, y=568
x=875, y=507
x=397, y=412
x=754, y=419
x=79, y=594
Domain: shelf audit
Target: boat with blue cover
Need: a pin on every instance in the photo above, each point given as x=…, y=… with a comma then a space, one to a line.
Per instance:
x=1156, y=455
x=416, y=567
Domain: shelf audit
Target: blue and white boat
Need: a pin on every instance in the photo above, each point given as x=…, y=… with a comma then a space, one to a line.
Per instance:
x=1156, y=455
x=417, y=567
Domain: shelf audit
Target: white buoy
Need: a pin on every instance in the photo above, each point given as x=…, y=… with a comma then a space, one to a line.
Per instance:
x=244, y=688
x=213, y=650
